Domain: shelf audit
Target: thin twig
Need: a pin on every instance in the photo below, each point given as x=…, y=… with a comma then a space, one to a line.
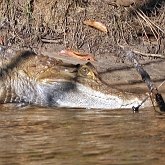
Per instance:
x=142, y=27
x=152, y=22
x=150, y=25
x=51, y=41
x=144, y=54
x=149, y=54
x=146, y=98
x=161, y=84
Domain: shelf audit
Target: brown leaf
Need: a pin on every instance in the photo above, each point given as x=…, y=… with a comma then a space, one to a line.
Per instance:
x=2, y=38
x=96, y=25
x=76, y=54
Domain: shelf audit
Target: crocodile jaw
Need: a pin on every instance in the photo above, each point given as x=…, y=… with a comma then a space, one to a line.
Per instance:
x=85, y=97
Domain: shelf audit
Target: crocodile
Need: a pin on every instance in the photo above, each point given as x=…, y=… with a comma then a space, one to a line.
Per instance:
x=46, y=81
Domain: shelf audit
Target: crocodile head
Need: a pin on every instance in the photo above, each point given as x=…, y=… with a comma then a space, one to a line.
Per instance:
x=88, y=91
x=45, y=81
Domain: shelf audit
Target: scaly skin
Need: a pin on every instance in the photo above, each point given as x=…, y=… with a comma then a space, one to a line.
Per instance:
x=45, y=81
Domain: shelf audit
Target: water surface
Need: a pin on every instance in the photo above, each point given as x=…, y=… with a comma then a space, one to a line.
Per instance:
x=41, y=136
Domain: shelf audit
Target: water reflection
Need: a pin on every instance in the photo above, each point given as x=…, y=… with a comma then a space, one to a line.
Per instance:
x=60, y=136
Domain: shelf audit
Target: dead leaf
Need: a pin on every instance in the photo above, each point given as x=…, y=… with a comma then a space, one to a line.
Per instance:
x=2, y=38
x=76, y=54
x=96, y=25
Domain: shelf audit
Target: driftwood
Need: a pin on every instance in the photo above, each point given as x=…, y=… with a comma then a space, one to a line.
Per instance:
x=146, y=78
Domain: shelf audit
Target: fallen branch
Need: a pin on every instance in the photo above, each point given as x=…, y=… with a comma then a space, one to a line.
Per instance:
x=146, y=78
x=142, y=53
x=149, y=54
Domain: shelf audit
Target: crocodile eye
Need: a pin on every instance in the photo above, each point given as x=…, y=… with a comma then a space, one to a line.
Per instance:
x=84, y=71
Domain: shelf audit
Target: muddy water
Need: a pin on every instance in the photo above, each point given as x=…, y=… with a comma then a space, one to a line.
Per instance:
x=39, y=136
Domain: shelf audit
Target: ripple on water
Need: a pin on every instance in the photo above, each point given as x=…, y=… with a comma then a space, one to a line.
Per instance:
x=32, y=135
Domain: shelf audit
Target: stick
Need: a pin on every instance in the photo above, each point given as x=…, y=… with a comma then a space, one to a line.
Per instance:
x=149, y=54
x=137, y=108
x=146, y=78
x=142, y=53
x=51, y=41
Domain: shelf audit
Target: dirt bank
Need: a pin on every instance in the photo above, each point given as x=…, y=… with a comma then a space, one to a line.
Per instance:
x=30, y=22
